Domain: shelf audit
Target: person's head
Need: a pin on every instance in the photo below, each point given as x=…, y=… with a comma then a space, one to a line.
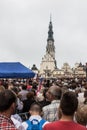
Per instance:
x=24, y=87
x=68, y=103
x=54, y=93
x=14, y=89
x=81, y=115
x=35, y=109
x=44, y=92
x=30, y=95
x=85, y=94
x=7, y=102
x=34, y=91
x=2, y=88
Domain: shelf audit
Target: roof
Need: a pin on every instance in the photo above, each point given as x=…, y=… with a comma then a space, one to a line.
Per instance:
x=15, y=70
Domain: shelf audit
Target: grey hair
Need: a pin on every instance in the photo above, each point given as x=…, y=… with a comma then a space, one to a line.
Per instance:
x=55, y=91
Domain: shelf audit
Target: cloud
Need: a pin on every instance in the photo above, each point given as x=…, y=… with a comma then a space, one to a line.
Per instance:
x=24, y=28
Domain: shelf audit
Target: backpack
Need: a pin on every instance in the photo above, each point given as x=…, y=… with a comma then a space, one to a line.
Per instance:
x=35, y=124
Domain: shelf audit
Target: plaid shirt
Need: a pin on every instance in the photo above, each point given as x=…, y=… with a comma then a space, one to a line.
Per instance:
x=6, y=123
x=50, y=112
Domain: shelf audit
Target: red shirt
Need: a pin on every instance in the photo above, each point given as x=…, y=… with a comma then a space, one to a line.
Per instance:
x=29, y=87
x=6, y=123
x=64, y=125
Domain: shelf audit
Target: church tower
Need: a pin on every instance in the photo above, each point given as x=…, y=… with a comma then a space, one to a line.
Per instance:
x=48, y=64
x=50, y=48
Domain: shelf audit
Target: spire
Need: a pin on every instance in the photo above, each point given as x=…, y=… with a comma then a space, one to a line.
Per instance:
x=50, y=18
x=50, y=32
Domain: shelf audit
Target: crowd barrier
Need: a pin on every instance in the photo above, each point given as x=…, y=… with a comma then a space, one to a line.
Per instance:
x=24, y=116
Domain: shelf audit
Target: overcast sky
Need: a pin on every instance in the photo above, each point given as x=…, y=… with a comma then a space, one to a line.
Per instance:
x=24, y=30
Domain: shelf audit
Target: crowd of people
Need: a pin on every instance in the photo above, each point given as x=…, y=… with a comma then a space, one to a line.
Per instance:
x=27, y=104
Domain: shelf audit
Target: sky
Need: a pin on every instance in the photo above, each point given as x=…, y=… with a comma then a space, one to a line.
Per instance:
x=24, y=31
